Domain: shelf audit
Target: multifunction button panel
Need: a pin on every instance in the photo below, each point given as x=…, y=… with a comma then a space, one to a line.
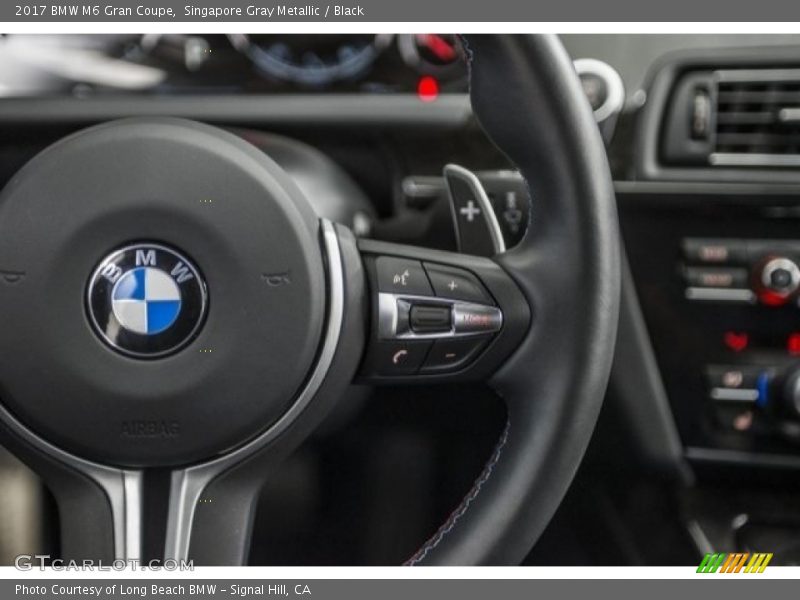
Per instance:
x=430, y=318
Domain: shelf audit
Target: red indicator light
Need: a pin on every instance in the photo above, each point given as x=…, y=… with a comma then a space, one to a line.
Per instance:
x=427, y=89
x=439, y=46
x=793, y=344
x=736, y=341
x=770, y=298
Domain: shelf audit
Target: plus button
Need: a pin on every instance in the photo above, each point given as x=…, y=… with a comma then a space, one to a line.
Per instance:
x=470, y=211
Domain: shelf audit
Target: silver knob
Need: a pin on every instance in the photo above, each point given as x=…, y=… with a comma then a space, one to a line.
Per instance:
x=781, y=275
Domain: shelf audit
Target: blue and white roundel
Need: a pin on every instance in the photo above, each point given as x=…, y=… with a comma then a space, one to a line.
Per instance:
x=146, y=300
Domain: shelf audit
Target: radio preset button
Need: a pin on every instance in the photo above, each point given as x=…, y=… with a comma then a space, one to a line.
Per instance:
x=732, y=376
x=715, y=251
x=716, y=277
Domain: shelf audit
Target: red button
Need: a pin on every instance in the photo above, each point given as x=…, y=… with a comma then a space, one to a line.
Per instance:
x=736, y=341
x=793, y=344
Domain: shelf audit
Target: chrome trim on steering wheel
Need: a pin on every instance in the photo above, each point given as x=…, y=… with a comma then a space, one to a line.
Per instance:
x=188, y=484
x=123, y=488
x=466, y=318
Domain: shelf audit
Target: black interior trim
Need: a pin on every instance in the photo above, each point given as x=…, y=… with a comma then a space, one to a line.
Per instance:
x=449, y=112
x=636, y=386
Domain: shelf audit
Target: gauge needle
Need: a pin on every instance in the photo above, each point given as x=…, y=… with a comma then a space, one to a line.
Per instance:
x=443, y=50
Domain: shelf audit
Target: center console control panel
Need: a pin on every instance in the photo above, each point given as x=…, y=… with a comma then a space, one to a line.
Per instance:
x=718, y=283
x=717, y=278
x=757, y=392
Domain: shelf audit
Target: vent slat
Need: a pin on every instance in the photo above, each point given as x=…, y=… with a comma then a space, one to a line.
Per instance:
x=776, y=96
x=746, y=118
x=759, y=138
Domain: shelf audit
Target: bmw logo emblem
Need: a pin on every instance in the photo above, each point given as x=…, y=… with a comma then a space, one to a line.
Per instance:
x=146, y=300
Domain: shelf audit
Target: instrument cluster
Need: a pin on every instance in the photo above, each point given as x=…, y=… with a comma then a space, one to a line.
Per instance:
x=234, y=63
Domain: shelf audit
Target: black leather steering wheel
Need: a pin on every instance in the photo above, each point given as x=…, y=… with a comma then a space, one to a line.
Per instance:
x=258, y=315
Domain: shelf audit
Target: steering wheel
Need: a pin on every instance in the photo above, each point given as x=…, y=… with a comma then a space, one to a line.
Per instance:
x=177, y=319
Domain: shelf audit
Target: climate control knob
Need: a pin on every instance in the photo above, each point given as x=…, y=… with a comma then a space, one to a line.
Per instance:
x=779, y=278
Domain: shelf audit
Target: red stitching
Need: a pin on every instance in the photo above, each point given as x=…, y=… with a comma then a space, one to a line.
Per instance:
x=451, y=521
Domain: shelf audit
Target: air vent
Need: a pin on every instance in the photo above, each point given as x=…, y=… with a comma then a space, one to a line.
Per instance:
x=756, y=118
x=733, y=118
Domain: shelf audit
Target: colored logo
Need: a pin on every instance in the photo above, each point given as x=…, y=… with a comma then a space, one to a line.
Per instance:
x=737, y=562
x=146, y=300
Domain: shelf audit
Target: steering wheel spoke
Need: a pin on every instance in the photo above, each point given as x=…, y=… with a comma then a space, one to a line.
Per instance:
x=99, y=507
x=438, y=316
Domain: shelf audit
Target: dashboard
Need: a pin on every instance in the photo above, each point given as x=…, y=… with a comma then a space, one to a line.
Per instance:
x=231, y=64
